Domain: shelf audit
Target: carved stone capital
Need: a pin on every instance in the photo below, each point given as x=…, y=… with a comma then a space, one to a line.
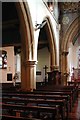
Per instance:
x=30, y=63
x=65, y=53
x=54, y=67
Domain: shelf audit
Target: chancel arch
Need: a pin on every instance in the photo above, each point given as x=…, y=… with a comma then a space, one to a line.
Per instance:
x=68, y=38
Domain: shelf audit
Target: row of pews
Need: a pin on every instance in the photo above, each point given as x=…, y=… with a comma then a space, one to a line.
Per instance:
x=51, y=104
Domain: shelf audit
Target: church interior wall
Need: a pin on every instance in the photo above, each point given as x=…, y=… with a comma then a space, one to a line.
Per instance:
x=10, y=65
x=67, y=19
x=43, y=59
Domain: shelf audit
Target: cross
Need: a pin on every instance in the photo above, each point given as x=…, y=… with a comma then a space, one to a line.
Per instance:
x=45, y=68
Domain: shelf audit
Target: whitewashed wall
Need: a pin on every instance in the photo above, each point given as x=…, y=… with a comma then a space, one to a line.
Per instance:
x=43, y=59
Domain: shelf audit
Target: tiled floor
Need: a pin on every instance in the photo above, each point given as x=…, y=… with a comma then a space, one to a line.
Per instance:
x=75, y=114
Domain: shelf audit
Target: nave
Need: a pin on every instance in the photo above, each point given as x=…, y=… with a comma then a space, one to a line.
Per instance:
x=50, y=40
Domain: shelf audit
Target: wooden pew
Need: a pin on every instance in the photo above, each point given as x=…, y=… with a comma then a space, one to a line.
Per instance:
x=69, y=93
x=50, y=102
x=9, y=117
x=36, y=96
x=40, y=96
x=44, y=95
x=38, y=109
x=72, y=89
x=55, y=92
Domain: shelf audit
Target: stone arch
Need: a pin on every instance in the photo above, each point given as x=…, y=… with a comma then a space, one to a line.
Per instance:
x=68, y=37
x=70, y=34
x=27, y=54
x=51, y=41
x=26, y=28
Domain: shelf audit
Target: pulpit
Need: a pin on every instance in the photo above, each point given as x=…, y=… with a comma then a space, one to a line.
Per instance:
x=54, y=77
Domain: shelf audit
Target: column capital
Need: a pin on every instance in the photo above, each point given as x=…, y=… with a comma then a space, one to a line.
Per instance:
x=65, y=52
x=30, y=62
x=54, y=67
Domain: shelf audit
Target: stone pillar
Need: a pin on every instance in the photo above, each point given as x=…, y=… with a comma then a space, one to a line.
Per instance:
x=28, y=78
x=64, y=67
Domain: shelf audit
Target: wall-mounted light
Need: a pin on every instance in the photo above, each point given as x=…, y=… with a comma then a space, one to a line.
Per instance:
x=39, y=26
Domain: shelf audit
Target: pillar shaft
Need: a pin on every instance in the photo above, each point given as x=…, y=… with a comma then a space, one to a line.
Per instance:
x=64, y=67
x=28, y=78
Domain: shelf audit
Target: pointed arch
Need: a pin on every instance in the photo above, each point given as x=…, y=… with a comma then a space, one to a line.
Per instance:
x=26, y=29
x=52, y=45
x=72, y=31
x=69, y=36
x=51, y=41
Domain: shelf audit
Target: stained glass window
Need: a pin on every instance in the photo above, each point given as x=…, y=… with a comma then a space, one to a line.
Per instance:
x=3, y=59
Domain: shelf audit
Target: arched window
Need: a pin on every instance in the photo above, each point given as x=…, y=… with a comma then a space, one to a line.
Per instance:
x=3, y=59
